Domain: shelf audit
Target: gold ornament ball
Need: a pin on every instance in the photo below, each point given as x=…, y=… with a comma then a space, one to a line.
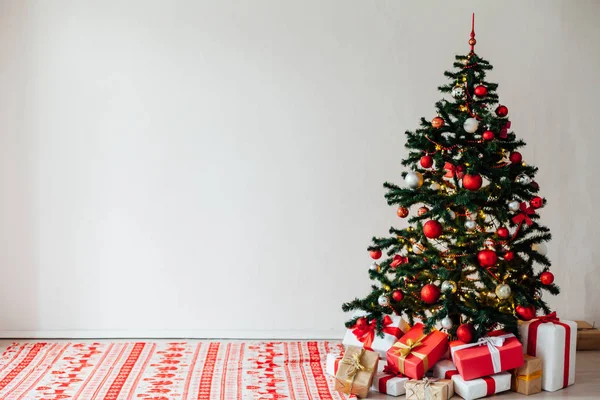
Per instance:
x=464, y=78
x=463, y=108
x=386, y=288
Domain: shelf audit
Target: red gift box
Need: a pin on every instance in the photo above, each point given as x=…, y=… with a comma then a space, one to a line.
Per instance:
x=415, y=352
x=490, y=355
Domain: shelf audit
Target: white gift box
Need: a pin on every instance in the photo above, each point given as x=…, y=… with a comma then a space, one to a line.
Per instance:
x=550, y=346
x=380, y=344
x=393, y=386
x=333, y=360
x=481, y=387
x=476, y=388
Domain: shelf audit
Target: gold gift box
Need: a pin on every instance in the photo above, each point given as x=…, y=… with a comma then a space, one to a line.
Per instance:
x=528, y=378
x=429, y=389
x=356, y=371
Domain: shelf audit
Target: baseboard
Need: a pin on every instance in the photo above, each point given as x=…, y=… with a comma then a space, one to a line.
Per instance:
x=173, y=334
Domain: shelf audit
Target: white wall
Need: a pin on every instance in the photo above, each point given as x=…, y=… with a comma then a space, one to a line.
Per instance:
x=215, y=168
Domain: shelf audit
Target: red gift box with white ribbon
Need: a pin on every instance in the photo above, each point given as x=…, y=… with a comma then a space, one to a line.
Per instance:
x=554, y=341
x=489, y=355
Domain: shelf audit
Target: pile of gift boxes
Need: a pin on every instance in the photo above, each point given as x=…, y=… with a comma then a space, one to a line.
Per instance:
x=426, y=365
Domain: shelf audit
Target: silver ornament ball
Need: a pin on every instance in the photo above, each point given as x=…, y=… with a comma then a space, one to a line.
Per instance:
x=383, y=301
x=503, y=291
x=414, y=180
x=448, y=286
x=471, y=125
x=447, y=323
x=523, y=179
x=540, y=248
x=458, y=92
x=374, y=267
x=470, y=225
x=514, y=206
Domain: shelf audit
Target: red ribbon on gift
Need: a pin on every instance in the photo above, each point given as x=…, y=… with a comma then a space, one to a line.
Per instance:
x=532, y=340
x=390, y=374
x=489, y=381
x=366, y=335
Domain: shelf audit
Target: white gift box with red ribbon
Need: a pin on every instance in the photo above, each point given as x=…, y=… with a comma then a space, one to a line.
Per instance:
x=394, y=327
x=554, y=341
x=473, y=389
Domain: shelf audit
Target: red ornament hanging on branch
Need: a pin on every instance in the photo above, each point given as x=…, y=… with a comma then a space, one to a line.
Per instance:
x=502, y=111
x=426, y=161
x=487, y=258
x=375, y=254
x=432, y=229
x=526, y=313
x=480, y=91
x=488, y=135
x=503, y=232
x=465, y=333
x=422, y=210
x=472, y=182
x=437, y=122
x=515, y=157
x=547, y=278
x=509, y=256
x=402, y=212
x=430, y=293
x=536, y=202
x=397, y=295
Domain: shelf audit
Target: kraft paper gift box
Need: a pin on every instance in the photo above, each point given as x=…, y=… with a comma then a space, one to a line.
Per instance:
x=527, y=379
x=554, y=341
x=394, y=326
x=389, y=382
x=332, y=363
x=473, y=389
x=429, y=389
x=356, y=370
x=415, y=352
x=491, y=354
x=588, y=337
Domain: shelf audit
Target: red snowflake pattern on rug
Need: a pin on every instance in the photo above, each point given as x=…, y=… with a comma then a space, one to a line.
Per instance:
x=167, y=371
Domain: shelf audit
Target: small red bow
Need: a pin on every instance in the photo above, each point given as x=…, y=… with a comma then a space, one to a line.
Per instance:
x=451, y=169
x=548, y=318
x=398, y=260
x=391, y=371
x=366, y=334
x=523, y=216
x=504, y=131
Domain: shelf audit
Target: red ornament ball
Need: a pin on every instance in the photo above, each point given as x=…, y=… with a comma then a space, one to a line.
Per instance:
x=509, y=256
x=536, y=202
x=397, y=295
x=432, y=229
x=361, y=322
x=430, y=293
x=437, y=122
x=426, y=161
x=480, y=91
x=487, y=258
x=515, y=157
x=472, y=182
x=526, y=313
x=402, y=212
x=465, y=333
x=488, y=135
x=503, y=232
x=547, y=278
x=375, y=254
x=422, y=210
x=502, y=111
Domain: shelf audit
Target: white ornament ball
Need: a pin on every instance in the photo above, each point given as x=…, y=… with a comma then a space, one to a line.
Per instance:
x=470, y=225
x=514, y=206
x=434, y=186
x=383, y=301
x=471, y=125
x=418, y=248
x=503, y=291
x=414, y=180
x=540, y=248
x=447, y=323
x=523, y=179
x=374, y=267
x=448, y=286
x=458, y=92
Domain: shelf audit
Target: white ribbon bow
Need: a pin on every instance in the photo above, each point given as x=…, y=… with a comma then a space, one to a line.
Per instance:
x=492, y=342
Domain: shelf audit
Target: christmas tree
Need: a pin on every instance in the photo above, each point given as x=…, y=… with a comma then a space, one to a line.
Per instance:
x=473, y=258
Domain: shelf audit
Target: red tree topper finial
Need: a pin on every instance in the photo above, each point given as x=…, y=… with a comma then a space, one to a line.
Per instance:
x=472, y=41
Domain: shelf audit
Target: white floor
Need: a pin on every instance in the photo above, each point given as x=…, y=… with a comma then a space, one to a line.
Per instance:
x=587, y=381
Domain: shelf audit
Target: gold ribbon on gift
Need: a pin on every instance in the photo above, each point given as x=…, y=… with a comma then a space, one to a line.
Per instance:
x=526, y=378
x=403, y=350
x=414, y=390
x=355, y=365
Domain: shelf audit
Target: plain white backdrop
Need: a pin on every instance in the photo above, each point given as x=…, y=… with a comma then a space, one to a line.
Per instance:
x=215, y=168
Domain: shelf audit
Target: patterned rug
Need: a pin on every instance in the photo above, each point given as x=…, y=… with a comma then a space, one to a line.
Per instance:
x=167, y=370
